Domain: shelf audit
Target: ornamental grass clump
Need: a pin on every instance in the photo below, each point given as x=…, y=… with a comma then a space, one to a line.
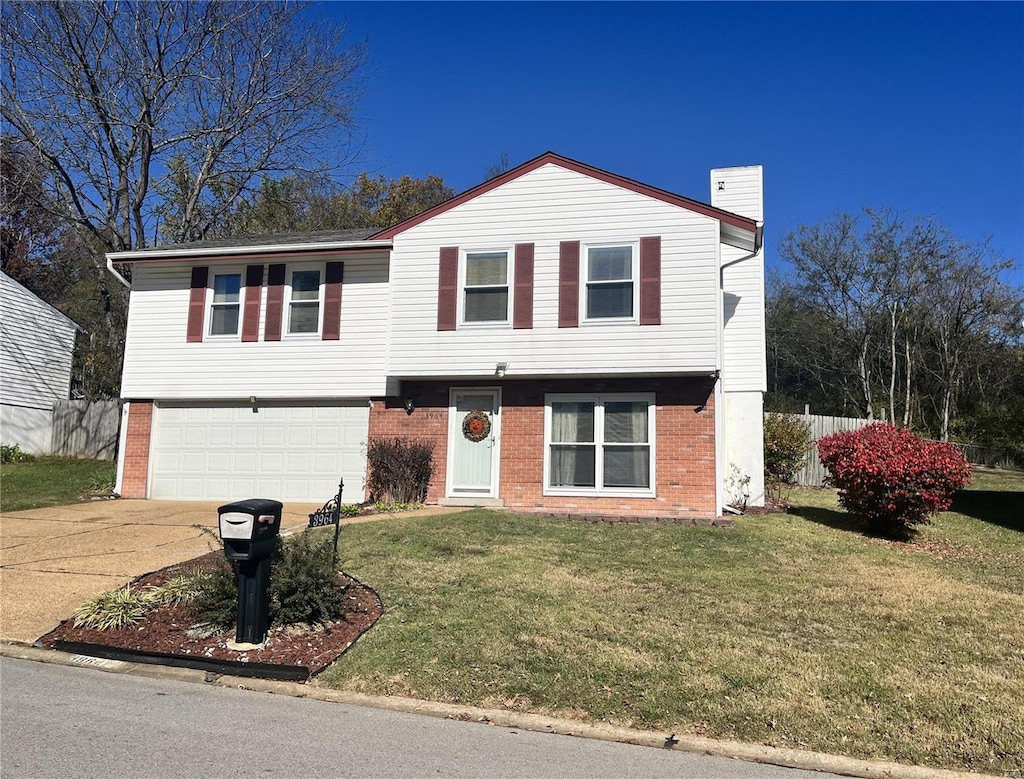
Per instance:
x=890, y=478
x=399, y=470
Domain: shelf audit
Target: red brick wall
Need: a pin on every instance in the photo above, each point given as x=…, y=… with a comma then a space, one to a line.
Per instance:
x=136, y=454
x=685, y=443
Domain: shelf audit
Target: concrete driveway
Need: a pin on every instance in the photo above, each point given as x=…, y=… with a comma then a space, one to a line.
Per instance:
x=54, y=559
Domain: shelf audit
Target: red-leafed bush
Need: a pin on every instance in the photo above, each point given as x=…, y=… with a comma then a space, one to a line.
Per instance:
x=890, y=478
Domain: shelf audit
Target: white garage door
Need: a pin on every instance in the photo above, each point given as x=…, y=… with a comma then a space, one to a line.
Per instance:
x=284, y=451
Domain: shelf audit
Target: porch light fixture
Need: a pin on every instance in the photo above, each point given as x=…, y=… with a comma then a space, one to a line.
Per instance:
x=500, y=368
x=410, y=406
x=252, y=399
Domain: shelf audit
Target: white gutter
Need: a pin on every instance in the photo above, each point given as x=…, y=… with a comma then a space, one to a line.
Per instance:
x=145, y=254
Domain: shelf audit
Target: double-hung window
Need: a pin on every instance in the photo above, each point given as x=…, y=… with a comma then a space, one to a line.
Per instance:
x=485, y=288
x=304, y=302
x=225, y=304
x=599, y=444
x=610, y=279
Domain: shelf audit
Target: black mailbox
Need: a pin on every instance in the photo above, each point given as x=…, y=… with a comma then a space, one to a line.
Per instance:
x=249, y=528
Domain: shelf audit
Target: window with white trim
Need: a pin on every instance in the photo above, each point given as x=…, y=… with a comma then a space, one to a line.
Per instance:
x=485, y=298
x=610, y=288
x=305, y=298
x=225, y=304
x=599, y=444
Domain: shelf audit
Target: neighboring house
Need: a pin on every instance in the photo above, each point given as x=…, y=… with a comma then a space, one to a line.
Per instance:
x=609, y=335
x=36, y=346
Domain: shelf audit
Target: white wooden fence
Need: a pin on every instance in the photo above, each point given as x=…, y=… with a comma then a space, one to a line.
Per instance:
x=83, y=428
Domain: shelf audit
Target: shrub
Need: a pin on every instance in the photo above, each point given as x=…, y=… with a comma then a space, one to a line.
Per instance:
x=304, y=583
x=115, y=609
x=216, y=596
x=13, y=454
x=787, y=441
x=891, y=479
x=399, y=469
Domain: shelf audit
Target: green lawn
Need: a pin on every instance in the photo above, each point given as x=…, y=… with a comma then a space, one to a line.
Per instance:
x=790, y=630
x=51, y=481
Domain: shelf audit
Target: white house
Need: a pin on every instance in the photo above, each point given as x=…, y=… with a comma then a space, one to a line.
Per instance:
x=606, y=336
x=36, y=346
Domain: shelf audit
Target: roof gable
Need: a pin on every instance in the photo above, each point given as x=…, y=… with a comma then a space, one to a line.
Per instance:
x=550, y=158
x=27, y=295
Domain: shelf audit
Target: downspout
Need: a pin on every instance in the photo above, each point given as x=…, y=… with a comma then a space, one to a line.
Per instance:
x=118, y=276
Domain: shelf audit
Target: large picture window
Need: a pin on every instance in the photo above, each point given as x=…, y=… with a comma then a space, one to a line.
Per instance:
x=304, y=302
x=601, y=444
x=609, y=273
x=485, y=287
x=225, y=303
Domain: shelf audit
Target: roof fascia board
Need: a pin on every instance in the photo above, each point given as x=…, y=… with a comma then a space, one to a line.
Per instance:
x=284, y=250
x=741, y=222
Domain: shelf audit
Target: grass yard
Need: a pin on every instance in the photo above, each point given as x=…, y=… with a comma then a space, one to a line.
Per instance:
x=790, y=630
x=51, y=481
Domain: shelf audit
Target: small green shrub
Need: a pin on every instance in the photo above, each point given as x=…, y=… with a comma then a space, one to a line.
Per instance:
x=787, y=442
x=304, y=585
x=216, y=594
x=399, y=469
x=350, y=509
x=13, y=454
x=115, y=609
x=387, y=507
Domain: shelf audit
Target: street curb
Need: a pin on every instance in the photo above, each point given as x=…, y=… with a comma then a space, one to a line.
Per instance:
x=754, y=753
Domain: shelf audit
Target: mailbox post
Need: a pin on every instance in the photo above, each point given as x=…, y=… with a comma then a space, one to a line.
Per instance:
x=249, y=530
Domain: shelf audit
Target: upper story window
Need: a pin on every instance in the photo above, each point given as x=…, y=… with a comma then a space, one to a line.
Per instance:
x=610, y=274
x=485, y=287
x=599, y=444
x=225, y=303
x=304, y=301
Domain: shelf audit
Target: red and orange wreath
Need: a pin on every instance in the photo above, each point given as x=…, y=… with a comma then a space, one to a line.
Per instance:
x=476, y=425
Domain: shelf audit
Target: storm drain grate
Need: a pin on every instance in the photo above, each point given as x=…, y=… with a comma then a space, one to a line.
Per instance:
x=97, y=662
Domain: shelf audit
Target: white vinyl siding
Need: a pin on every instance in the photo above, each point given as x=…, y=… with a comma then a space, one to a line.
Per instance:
x=159, y=363
x=288, y=451
x=545, y=207
x=744, y=360
x=36, y=344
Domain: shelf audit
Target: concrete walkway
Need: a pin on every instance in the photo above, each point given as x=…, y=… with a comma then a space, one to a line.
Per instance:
x=54, y=559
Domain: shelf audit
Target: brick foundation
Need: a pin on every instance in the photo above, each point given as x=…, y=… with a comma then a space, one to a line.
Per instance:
x=135, y=475
x=685, y=444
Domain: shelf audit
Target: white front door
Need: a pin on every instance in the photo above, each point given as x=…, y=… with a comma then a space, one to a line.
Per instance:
x=474, y=422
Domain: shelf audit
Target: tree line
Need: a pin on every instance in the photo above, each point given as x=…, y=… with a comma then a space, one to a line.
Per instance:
x=888, y=315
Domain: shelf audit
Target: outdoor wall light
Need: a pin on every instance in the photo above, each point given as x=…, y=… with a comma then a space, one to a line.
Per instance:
x=500, y=368
x=410, y=406
x=252, y=399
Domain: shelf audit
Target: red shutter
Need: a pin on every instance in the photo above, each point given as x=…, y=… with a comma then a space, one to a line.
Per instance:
x=251, y=312
x=522, y=313
x=197, y=304
x=650, y=281
x=332, y=300
x=448, y=288
x=275, y=302
x=569, y=284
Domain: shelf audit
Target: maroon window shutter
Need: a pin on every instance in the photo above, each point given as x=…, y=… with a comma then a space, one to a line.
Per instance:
x=650, y=281
x=448, y=288
x=332, y=300
x=522, y=312
x=569, y=284
x=197, y=304
x=251, y=312
x=275, y=302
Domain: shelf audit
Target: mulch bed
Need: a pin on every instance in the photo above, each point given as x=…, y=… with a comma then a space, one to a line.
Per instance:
x=169, y=632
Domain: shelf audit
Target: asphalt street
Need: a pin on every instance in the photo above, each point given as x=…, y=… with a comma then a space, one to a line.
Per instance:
x=68, y=722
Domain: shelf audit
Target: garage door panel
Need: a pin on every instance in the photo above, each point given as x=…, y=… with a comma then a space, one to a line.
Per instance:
x=291, y=452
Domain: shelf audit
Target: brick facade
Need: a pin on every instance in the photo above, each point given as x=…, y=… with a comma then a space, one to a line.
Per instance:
x=685, y=443
x=136, y=457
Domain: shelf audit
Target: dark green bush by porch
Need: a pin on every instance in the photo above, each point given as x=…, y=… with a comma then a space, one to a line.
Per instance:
x=787, y=441
x=399, y=469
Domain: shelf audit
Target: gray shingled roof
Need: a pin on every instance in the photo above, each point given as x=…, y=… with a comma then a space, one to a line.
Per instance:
x=274, y=239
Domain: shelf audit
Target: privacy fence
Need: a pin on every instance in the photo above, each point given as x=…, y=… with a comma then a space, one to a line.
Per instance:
x=83, y=428
x=813, y=473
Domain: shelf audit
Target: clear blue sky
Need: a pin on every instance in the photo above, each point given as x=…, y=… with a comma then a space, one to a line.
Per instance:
x=917, y=106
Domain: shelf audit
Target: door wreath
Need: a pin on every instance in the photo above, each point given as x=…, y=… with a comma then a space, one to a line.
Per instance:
x=476, y=425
